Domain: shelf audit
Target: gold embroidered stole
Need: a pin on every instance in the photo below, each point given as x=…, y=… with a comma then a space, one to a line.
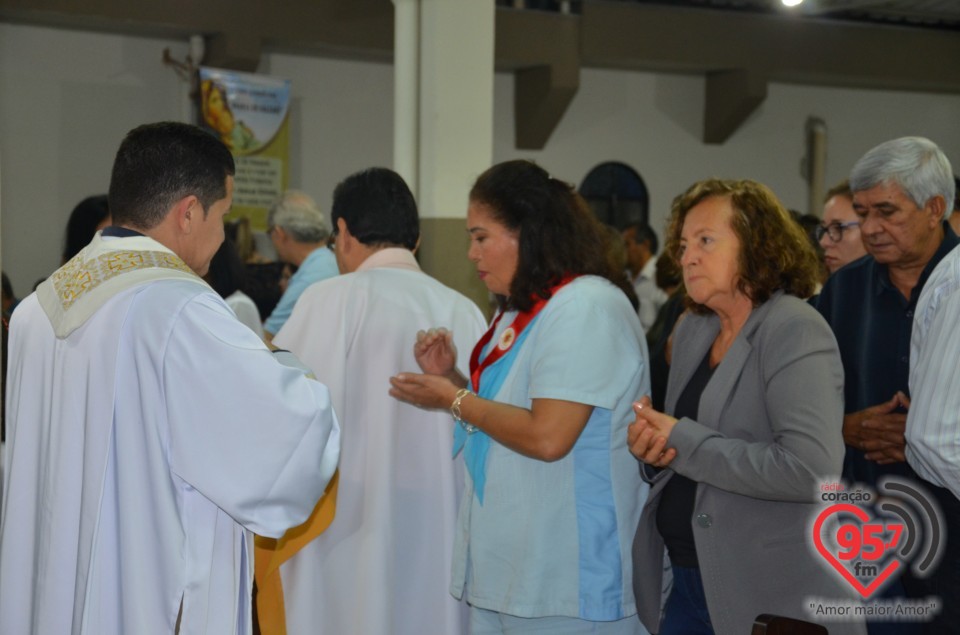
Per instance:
x=101, y=270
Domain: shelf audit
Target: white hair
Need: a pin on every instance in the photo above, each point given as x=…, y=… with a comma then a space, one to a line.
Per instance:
x=916, y=164
x=298, y=214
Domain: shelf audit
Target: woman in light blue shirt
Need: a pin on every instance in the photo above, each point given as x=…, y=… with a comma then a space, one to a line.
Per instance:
x=552, y=494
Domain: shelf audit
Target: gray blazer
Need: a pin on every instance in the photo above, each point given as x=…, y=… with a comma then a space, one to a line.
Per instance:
x=768, y=433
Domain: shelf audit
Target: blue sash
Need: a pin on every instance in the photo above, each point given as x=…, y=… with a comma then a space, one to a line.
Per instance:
x=476, y=445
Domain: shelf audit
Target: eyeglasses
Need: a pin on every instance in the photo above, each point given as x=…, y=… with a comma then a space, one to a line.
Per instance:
x=835, y=230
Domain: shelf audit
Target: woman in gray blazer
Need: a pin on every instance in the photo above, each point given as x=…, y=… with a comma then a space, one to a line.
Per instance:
x=755, y=398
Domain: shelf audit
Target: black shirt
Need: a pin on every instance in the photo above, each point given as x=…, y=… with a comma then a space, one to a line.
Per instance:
x=872, y=322
x=675, y=511
x=657, y=338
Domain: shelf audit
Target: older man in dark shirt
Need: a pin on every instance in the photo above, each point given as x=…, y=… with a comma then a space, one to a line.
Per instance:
x=870, y=304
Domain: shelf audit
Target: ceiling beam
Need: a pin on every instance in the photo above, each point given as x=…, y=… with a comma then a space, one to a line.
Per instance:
x=648, y=37
x=731, y=97
x=736, y=52
x=543, y=52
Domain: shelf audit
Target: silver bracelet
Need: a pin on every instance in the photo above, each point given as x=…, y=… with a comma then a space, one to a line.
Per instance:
x=455, y=411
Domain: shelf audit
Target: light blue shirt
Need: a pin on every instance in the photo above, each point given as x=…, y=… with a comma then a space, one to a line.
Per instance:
x=554, y=538
x=319, y=265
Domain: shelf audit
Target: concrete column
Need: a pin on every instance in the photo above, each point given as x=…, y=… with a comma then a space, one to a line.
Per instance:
x=455, y=131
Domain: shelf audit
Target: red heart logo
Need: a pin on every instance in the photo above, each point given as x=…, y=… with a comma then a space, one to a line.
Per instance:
x=851, y=538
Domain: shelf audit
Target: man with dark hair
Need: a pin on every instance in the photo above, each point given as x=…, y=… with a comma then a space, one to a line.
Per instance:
x=394, y=220
x=642, y=246
x=383, y=566
x=140, y=452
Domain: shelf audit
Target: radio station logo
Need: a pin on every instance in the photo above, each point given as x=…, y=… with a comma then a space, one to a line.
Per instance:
x=869, y=538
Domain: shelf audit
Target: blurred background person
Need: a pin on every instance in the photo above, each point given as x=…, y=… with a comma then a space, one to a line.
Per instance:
x=89, y=216
x=669, y=279
x=752, y=423
x=299, y=233
x=9, y=303
x=552, y=495
x=262, y=275
x=839, y=233
x=226, y=275
x=9, y=297
x=810, y=224
x=617, y=259
x=954, y=216
x=642, y=246
x=285, y=274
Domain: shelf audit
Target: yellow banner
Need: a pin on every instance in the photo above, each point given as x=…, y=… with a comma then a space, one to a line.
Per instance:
x=250, y=114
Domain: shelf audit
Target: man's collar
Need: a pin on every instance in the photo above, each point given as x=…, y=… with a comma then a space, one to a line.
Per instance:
x=392, y=257
x=881, y=272
x=115, y=231
x=950, y=240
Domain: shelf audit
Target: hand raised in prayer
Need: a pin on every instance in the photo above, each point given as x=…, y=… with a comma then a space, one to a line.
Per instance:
x=878, y=431
x=435, y=352
x=647, y=436
x=424, y=391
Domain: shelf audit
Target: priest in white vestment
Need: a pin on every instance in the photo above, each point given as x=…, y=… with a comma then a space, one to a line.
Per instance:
x=383, y=565
x=149, y=431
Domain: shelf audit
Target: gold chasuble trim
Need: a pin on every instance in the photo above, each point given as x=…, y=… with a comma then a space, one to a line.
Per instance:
x=80, y=276
x=102, y=269
x=270, y=553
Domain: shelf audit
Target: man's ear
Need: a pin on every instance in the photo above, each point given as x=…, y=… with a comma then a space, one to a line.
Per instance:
x=938, y=208
x=187, y=211
x=344, y=230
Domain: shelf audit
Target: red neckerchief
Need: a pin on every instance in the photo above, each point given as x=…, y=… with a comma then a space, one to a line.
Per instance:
x=508, y=337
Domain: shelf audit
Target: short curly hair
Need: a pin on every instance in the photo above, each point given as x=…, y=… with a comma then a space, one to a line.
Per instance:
x=775, y=254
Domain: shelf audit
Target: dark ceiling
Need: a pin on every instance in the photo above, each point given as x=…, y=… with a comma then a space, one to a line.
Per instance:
x=738, y=46
x=934, y=14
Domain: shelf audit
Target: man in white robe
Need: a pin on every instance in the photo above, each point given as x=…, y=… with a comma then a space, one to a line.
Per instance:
x=149, y=430
x=383, y=565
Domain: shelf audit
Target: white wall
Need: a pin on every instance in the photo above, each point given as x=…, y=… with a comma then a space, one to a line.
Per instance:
x=68, y=97
x=66, y=100
x=655, y=122
x=342, y=119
